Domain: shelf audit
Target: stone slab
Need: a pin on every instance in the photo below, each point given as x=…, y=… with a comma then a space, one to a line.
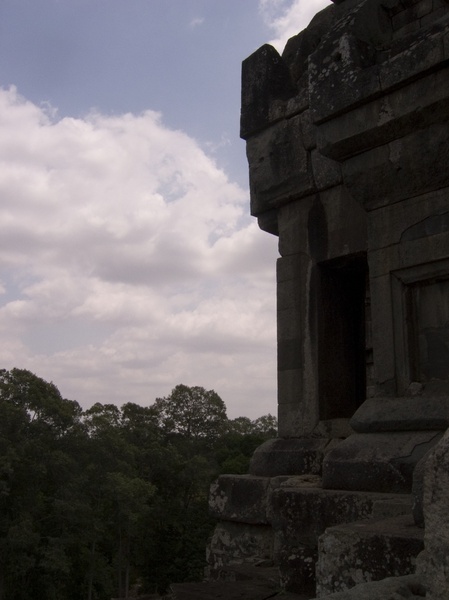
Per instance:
x=241, y=498
x=382, y=462
x=279, y=165
x=241, y=590
x=293, y=456
x=302, y=514
x=237, y=544
x=299, y=515
x=391, y=588
x=366, y=551
x=402, y=414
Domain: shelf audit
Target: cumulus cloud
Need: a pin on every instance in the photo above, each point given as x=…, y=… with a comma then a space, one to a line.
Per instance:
x=288, y=17
x=128, y=262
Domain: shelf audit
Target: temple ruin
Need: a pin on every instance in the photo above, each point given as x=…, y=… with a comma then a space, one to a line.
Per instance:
x=347, y=138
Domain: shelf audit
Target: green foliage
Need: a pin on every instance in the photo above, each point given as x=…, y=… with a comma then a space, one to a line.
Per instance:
x=92, y=501
x=192, y=412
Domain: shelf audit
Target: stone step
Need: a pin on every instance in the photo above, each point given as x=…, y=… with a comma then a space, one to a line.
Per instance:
x=366, y=551
x=226, y=590
x=300, y=516
x=281, y=519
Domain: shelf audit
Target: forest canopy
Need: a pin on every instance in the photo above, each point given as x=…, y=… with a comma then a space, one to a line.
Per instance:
x=95, y=501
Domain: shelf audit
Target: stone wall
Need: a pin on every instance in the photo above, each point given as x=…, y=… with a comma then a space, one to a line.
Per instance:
x=347, y=137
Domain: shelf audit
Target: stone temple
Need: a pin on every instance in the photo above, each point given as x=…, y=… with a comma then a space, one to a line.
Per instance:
x=347, y=136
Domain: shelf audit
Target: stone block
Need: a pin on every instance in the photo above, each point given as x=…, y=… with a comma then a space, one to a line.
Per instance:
x=418, y=491
x=237, y=543
x=296, y=568
x=302, y=514
x=326, y=172
x=308, y=130
x=417, y=413
x=391, y=588
x=279, y=166
x=288, y=321
x=344, y=236
x=299, y=47
x=293, y=219
x=426, y=51
x=399, y=170
x=333, y=428
x=341, y=62
x=289, y=353
x=265, y=79
x=381, y=462
x=366, y=551
x=299, y=515
x=392, y=507
x=383, y=334
x=434, y=563
x=294, y=456
x=241, y=498
x=419, y=217
x=297, y=415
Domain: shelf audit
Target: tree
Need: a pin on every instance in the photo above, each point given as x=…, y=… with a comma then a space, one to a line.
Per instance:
x=35, y=467
x=192, y=412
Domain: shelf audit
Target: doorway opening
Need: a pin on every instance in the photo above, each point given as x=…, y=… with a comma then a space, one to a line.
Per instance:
x=344, y=347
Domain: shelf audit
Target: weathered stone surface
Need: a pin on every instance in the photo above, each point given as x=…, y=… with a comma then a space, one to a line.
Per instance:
x=347, y=141
x=366, y=551
x=239, y=498
x=293, y=456
x=399, y=169
x=237, y=544
x=402, y=414
x=302, y=514
x=434, y=564
x=409, y=587
x=388, y=507
x=333, y=428
x=247, y=590
x=326, y=172
x=296, y=566
x=298, y=48
x=384, y=119
x=418, y=491
x=299, y=515
x=381, y=462
x=279, y=165
x=265, y=79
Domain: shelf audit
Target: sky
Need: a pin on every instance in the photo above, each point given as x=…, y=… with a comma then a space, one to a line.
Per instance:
x=128, y=260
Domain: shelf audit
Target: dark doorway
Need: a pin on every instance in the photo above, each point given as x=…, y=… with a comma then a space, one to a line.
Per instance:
x=342, y=331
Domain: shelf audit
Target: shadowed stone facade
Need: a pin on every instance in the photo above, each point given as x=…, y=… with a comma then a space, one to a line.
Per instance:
x=347, y=137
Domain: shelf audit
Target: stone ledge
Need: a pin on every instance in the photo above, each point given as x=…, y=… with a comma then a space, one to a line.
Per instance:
x=391, y=588
x=382, y=462
x=367, y=551
x=291, y=456
x=419, y=413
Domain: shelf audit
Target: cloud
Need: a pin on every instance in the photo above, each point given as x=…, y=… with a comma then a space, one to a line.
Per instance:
x=288, y=17
x=128, y=262
x=196, y=22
